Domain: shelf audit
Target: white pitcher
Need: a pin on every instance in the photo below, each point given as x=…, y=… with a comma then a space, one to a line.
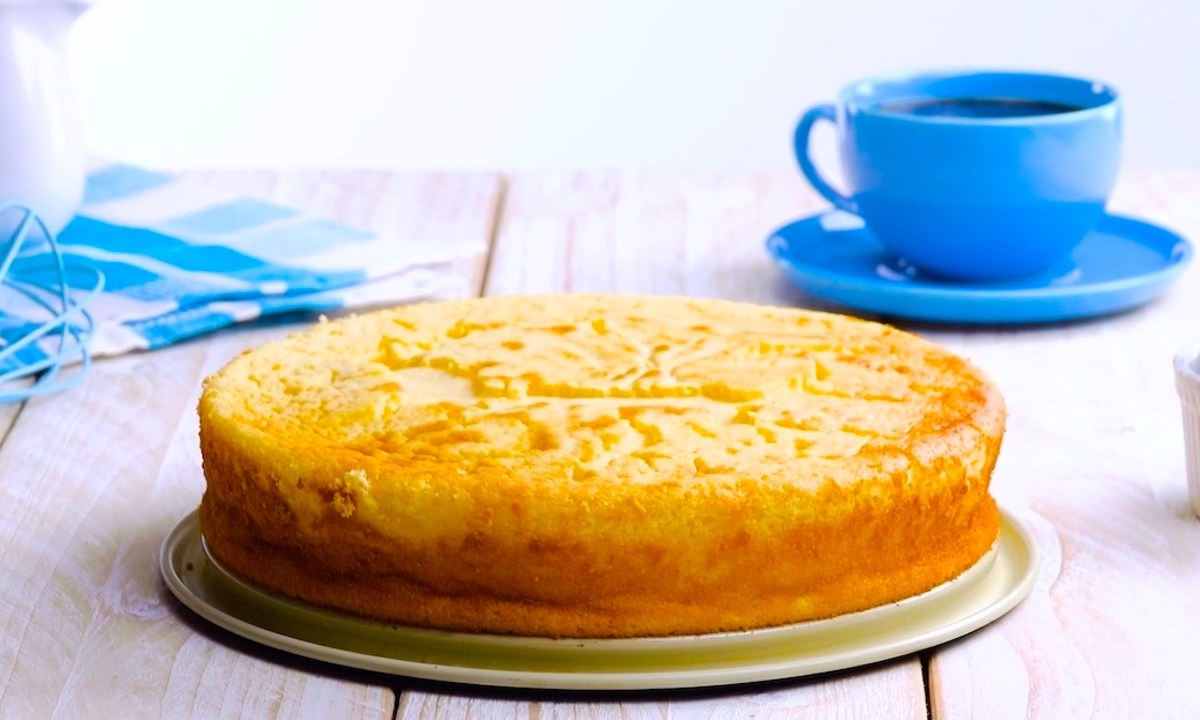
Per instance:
x=42, y=156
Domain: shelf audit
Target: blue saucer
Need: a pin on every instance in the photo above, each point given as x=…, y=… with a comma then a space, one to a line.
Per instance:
x=1123, y=263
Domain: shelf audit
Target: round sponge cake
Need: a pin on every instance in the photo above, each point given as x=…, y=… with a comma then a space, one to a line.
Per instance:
x=599, y=466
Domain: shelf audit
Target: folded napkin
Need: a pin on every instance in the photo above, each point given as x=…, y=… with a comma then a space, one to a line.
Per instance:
x=180, y=258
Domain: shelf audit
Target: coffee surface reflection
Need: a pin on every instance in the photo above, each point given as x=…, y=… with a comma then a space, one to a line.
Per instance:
x=977, y=107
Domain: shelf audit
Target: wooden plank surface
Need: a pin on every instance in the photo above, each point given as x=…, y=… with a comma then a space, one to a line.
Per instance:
x=91, y=480
x=1094, y=461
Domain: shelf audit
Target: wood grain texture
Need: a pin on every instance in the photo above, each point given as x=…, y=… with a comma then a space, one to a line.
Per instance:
x=91, y=480
x=1094, y=461
x=96, y=628
x=836, y=696
x=688, y=234
x=8, y=415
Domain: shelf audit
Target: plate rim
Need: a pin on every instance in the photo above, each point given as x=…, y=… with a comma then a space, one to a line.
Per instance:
x=1014, y=540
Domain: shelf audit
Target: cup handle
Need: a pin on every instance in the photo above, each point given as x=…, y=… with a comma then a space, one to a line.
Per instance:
x=803, y=129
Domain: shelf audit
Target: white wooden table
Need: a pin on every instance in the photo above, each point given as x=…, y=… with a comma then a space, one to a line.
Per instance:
x=90, y=480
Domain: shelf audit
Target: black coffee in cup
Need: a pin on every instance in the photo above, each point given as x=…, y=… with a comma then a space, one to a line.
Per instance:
x=977, y=107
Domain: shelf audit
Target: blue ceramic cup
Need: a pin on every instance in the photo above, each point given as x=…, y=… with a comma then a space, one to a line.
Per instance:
x=973, y=176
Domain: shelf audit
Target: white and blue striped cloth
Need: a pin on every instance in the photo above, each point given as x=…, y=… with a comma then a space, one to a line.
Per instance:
x=180, y=259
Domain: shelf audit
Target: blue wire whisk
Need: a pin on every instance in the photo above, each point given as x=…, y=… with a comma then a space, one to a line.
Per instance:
x=44, y=322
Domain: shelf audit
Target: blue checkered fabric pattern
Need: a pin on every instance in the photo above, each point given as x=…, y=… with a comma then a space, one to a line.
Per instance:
x=180, y=259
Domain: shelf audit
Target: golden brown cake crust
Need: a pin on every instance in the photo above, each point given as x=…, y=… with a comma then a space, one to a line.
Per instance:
x=599, y=466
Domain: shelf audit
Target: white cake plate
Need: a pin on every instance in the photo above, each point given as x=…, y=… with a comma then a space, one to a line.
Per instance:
x=1000, y=580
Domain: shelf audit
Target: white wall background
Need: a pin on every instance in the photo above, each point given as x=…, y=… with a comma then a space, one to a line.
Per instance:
x=587, y=83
